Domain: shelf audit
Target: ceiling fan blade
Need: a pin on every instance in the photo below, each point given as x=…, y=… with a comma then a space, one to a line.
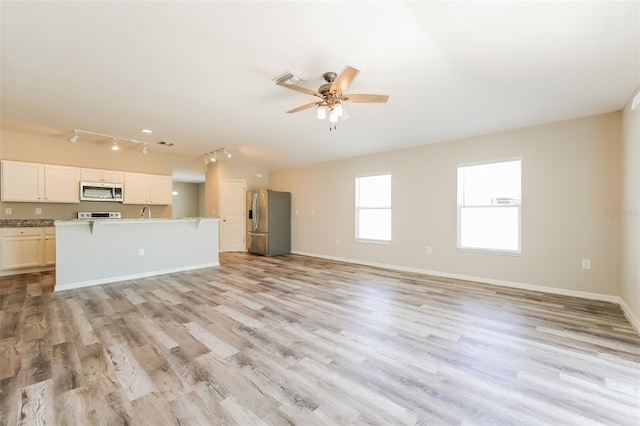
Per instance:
x=303, y=107
x=344, y=80
x=300, y=89
x=366, y=98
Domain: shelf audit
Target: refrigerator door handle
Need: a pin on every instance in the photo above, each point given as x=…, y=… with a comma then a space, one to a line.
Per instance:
x=255, y=210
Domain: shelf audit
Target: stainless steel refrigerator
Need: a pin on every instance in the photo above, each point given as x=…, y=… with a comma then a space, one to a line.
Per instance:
x=269, y=222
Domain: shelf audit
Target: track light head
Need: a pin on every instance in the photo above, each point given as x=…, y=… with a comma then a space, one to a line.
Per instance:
x=214, y=157
x=144, y=149
x=74, y=138
x=227, y=153
x=115, y=146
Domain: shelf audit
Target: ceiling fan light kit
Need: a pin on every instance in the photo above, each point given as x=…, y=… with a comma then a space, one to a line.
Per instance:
x=331, y=94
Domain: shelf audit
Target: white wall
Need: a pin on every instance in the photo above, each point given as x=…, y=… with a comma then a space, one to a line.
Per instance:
x=571, y=178
x=630, y=211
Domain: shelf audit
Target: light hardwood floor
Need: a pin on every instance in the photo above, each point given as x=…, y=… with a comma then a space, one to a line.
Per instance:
x=298, y=340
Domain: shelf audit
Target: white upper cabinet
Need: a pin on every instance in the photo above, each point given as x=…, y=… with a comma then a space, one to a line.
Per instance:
x=32, y=182
x=97, y=175
x=22, y=181
x=147, y=189
x=61, y=184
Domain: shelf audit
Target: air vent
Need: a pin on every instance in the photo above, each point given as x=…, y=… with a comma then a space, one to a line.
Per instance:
x=165, y=143
x=287, y=78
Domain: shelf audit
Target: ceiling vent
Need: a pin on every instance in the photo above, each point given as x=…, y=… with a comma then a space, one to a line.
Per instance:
x=165, y=143
x=287, y=78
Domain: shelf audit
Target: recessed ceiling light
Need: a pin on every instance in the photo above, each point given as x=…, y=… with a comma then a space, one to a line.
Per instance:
x=146, y=131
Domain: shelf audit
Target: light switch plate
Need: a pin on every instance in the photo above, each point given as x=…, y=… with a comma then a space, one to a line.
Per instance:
x=38, y=210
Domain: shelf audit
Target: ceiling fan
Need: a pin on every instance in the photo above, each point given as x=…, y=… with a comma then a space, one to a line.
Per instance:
x=331, y=94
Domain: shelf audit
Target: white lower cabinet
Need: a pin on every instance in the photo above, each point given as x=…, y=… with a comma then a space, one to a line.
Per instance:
x=49, y=246
x=27, y=248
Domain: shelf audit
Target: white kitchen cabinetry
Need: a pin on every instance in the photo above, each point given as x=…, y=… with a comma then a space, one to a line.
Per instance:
x=28, y=247
x=22, y=181
x=97, y=175
x=61, y=184
x=22, y=248
x=32, y=182
x=49, y=246
x=147, y=189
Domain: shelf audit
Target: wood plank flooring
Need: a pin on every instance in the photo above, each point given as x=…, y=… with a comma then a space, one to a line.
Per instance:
x=305, y=341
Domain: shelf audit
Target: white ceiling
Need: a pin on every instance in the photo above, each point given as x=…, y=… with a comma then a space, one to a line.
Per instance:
x=199, y=74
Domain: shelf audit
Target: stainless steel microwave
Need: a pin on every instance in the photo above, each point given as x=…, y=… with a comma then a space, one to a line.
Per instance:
x=100, y=191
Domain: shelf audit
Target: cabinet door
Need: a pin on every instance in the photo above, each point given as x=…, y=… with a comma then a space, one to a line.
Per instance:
x=21, y=252
x=90, y=175
x=61, y=184
x=160, y=189
x=136, y=188
x=112, y=176
x=49, y=250
x=22, y=181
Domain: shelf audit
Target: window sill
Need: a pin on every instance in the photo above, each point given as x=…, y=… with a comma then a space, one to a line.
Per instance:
x=365, y=241
x=489, y=251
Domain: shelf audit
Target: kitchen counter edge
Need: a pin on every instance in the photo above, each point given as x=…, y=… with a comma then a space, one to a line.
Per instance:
x=131, y=220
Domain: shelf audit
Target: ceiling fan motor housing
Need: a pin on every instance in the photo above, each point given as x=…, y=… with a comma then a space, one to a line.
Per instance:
x=330, y=76
x=325, y=89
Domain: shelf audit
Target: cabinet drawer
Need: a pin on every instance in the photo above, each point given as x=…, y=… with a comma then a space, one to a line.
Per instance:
x=50, y=230
x=20, y=232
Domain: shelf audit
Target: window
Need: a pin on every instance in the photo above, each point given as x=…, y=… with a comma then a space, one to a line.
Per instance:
x=373, y=208
x=489, y=207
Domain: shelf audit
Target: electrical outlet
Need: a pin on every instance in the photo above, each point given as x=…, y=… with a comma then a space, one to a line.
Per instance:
x=586, y=263
x=337, y=241
x=8, y=210
x=38, y=210
x=141, y=252
x=428, y=249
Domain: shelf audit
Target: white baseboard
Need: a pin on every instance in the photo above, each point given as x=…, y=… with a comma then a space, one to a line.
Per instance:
x=72, y=286
x=633, y=320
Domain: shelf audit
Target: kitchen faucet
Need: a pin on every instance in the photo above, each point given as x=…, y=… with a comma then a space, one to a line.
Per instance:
x=148, y=209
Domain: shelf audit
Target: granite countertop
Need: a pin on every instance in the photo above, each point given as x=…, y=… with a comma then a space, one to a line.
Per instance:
x=26, y=223
x=37, y=223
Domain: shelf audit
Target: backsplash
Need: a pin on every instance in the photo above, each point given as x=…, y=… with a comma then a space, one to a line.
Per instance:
x=69, y=211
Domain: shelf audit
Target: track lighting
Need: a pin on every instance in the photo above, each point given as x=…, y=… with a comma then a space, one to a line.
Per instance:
x=114, y=140
x=212, y=156
x=74, y=138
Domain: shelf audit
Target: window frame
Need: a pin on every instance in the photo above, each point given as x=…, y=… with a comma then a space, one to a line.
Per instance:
x=459, y=207
x=358, y=208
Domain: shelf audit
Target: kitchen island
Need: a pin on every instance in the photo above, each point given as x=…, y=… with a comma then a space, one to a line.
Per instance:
x=92, y=252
